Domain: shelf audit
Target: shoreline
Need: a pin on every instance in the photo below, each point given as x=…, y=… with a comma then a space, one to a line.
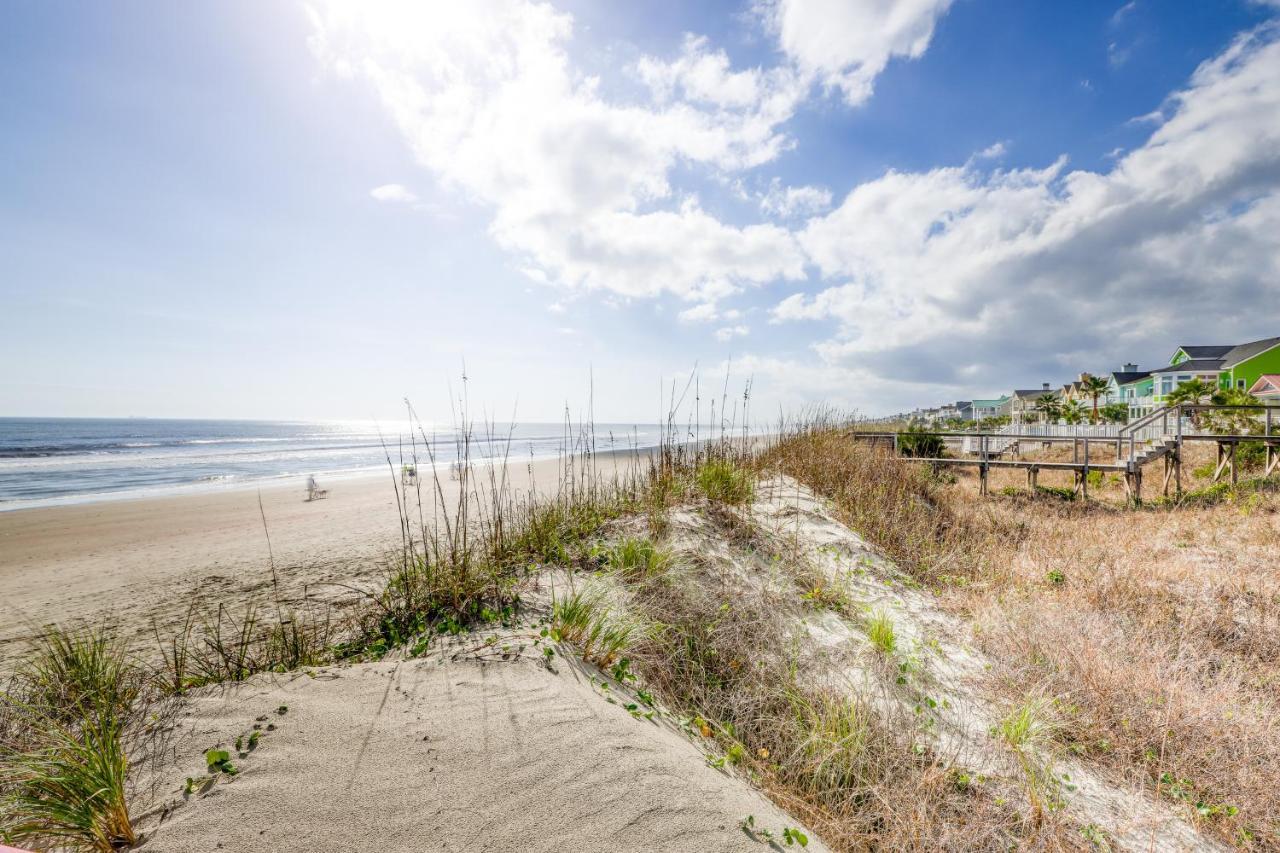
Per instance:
x=129, y=562
x=280, y=480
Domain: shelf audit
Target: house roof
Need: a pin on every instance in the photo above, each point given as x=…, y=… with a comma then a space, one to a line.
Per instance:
x=1268, y=385
x=1031, y=394
x=992, y=402
x=1192, y=365
x=1248, y=351
x=1220, y=357
x=1215, y=351
x=1128, y=377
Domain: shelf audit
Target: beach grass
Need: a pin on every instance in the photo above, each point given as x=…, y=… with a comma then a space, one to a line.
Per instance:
x=64, y=722
x=1155, y=615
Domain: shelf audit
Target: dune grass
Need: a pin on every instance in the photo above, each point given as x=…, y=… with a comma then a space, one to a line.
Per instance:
x=64, y=722
x=725, y=480
x=881, y=633
x=1168, y=612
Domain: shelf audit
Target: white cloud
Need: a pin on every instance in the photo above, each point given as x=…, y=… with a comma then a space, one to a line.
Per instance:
x=707, y=312
x=994, y=151
x=728, y=333
x=701, y=74
x=486, y=96
x=793, y=383
x=787, y=202
x=956, y=270
x=393, y=193
x=845, y=44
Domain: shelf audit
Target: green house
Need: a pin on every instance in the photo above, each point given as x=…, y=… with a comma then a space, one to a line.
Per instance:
x=1223, y=366
x=992, y=408
x=1133, y=388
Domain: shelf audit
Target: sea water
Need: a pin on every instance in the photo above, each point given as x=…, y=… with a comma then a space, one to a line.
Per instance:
x=46, y=461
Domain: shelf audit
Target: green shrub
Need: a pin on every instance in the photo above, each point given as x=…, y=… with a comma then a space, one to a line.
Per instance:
x=724, y=481
x=919, y=444
x=881, y=633
x=637, y=558
x=66, y=784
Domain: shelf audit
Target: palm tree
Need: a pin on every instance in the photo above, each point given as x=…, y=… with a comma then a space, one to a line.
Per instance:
x=1095, y=387
x=1192, y=391
x=1073, y=412
x=1049, y=407
x=1233, y=421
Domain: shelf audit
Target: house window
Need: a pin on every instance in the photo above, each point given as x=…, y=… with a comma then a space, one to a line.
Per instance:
x=1166, y=385
x=1240, y=384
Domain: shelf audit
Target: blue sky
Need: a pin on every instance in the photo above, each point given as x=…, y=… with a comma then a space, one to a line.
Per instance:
x=246, y=209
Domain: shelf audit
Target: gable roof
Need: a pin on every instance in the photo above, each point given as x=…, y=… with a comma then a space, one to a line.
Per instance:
x=1128, y=377
x=1031, y=394
x=1215, y=351
x=1244, y=352
x=1192, y=365
x=1222, y=357
x=1268, y=385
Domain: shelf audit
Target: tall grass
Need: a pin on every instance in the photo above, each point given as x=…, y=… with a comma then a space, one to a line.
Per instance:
x=67, y=784
x=1153, y=656
x=64, y=722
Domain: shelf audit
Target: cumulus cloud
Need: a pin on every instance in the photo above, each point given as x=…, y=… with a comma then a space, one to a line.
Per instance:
x=845, y=44
x=707, y=312
x=393, y=193
x=579, y=186
x=787, y=202
x=958, y=272
x=728, y=333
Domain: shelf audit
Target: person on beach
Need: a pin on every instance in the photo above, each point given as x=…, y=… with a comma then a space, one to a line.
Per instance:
x=313, y=488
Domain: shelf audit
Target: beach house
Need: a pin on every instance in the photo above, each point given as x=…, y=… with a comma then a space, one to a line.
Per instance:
x=993, y=408
x=1132, y=387
x=1024, y=407
x=1267, y=388
x=1222, y=366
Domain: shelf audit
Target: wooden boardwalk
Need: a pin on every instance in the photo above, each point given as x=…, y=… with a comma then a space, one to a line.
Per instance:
x=1158, y=437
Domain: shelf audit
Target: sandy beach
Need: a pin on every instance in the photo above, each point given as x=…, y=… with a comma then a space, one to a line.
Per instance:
x=124, y=562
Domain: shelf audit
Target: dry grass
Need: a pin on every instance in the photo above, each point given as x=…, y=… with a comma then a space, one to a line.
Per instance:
x=733, y=657
x=1157, y=630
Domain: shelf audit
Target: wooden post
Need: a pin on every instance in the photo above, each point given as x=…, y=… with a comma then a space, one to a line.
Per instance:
x=982, y=468
x=1084, y=475
x=1231, y=455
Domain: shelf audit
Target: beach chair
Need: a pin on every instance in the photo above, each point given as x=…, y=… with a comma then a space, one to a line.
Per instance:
x=314, y=492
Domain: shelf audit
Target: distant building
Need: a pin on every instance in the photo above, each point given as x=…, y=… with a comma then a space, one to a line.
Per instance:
x=993, y=408
x=1024, y=405
x=1222, y=366
x=1267, y=388
x=1131, y=386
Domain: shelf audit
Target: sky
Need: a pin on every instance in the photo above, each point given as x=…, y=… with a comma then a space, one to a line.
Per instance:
x=250, y=209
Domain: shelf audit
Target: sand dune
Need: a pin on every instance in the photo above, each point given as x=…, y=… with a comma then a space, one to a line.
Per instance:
x=423, y=755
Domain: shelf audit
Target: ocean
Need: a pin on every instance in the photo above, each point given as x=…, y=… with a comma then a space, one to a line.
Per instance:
x=47, y=461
